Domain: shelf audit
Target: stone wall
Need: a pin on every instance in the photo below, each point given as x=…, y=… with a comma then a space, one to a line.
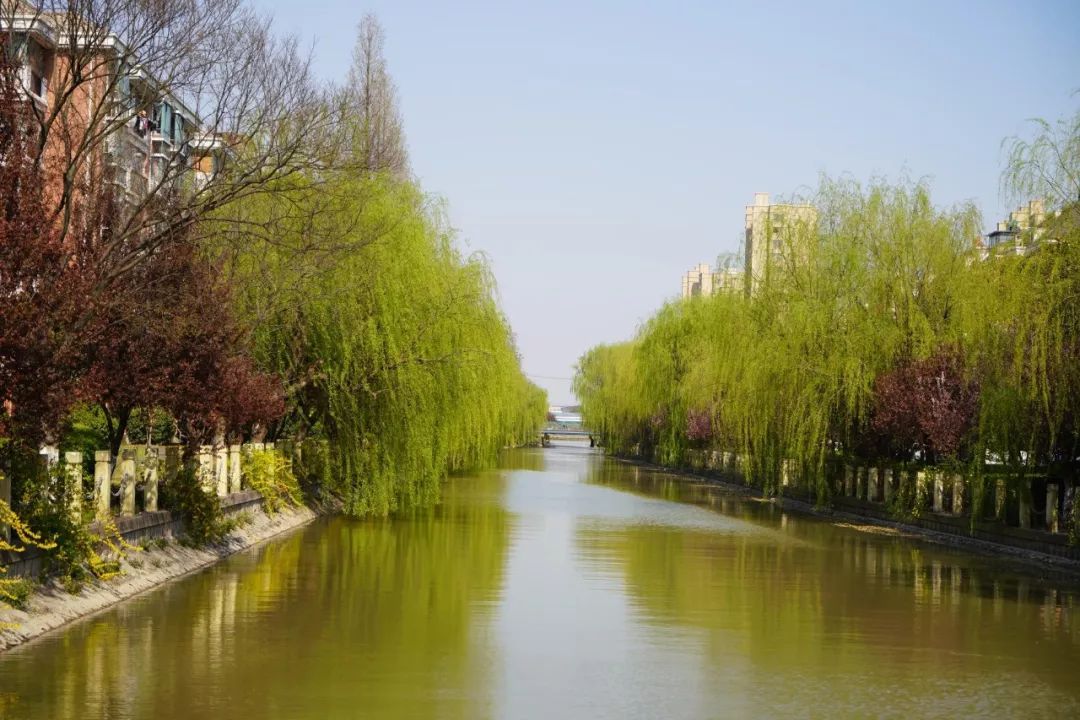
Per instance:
x=135, y=529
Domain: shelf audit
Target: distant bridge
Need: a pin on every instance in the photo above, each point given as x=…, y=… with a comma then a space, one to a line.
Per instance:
x=549, y=434
x=567, y=433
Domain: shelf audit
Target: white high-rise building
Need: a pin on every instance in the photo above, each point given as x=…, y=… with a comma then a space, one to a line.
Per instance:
x=773, y=236
x=703, y=280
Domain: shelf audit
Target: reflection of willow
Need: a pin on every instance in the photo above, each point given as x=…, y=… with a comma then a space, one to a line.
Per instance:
x=141, y=657
x=522, y=459
x=824, y=597
x=647, y=482
x=335, y=618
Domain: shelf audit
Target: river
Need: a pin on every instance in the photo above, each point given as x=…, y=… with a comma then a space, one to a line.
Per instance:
x=567, y=585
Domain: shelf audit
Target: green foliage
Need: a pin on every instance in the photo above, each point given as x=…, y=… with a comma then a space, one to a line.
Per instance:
x=391, y=339
x=14, y=591
x=271, y=475
x=314, y=469
x=204, y=521
x=42, y=494
x=74, y=546
x=881, y=278
x=1046, y=166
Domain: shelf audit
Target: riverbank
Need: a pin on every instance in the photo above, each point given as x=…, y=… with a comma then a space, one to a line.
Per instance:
x=159, y=561
x=871, y=517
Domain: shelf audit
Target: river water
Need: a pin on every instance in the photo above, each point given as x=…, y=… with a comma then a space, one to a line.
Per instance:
x=567, y=585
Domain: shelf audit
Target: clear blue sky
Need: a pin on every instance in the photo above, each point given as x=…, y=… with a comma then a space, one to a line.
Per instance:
x=596, y=151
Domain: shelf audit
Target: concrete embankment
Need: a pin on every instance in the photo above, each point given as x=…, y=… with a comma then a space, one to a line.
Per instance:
x=163, y=559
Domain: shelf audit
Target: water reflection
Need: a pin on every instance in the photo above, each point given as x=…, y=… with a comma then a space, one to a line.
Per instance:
x=568, y=585
x=883, y=612
x=343, y=615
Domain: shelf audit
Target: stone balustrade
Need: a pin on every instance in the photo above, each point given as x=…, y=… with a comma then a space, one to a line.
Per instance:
x=935, y=491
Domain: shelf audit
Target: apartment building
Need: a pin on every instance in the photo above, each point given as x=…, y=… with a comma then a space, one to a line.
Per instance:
x=1019, y=233
x=702, y=280
x=146, y=152
x=775, y=233
x=147, y=131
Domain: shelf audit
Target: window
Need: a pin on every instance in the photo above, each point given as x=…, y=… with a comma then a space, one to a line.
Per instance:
x=37, y=84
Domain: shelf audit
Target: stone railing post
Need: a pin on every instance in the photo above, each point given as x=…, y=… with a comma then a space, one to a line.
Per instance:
x=221, y=469
x=102, y=482
x=127, y=481
x=234, y=469
x=206, y=468
x=154, y=459
x=939, y=492
x=1000, y=494
x=887, y=486
x=958, y=494
x=73, y=475
x=1024, y=495
x=862, y=481
x=849, y=481
x=1052, y=507
x=49, y=454
x=922, y=484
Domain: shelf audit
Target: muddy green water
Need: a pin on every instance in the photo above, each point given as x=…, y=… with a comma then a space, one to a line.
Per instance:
x=566, y=585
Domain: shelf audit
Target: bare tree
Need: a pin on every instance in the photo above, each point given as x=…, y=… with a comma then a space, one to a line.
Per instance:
x=128, y=93
x=370, y=96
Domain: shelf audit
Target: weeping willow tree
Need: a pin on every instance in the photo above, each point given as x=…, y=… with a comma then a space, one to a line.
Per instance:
x=1022, y=321
x=391, y=339
x=788, y=374
x=881, y=331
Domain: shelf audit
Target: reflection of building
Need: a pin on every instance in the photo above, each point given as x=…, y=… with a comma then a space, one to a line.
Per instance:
x=703, y=281
x=772, y=234
x=1020, y=232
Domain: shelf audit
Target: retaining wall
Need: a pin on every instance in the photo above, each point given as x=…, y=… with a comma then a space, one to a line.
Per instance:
x=134, y=529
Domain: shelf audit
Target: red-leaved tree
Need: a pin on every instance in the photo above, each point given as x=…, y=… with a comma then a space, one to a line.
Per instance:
x=48, y=300
x=159, y=335
x=172, y=342
x=699, y=425
x=925, y=405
